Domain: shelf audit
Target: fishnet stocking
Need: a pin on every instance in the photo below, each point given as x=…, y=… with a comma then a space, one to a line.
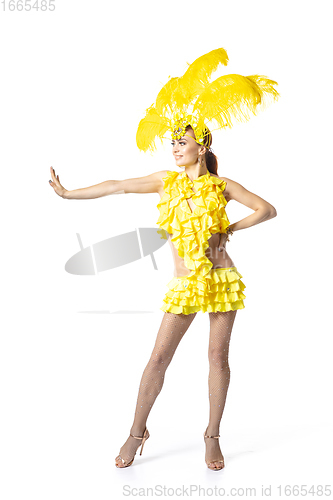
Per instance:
x=221, y=324
x=171, y=331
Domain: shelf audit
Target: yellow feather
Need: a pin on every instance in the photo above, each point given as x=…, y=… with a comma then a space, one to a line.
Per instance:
x=164, y=98
x=198, y=73
x=234, y=97
x=150, y=126
x=179, y=91
x=191, y=98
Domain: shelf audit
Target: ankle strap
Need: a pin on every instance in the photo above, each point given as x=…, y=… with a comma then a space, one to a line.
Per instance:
x=212, y=436
x=139, y=437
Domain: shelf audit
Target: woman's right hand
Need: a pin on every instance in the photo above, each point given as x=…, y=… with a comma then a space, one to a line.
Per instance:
x=58, y=188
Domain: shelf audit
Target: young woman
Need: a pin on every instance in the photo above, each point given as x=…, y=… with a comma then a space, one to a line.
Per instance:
x=205, y=276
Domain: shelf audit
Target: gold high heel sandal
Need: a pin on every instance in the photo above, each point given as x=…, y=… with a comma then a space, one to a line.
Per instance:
x=144, y=439
x=214, y=461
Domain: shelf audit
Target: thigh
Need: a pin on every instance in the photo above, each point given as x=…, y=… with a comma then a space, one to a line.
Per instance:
x=221, y=324
x=170, y=333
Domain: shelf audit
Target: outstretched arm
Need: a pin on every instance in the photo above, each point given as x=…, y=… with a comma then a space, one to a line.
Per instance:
x=263, y=210
x=148, y=184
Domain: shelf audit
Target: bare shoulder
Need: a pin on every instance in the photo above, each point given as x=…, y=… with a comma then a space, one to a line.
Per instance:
x=233, y=190
x=163, y=173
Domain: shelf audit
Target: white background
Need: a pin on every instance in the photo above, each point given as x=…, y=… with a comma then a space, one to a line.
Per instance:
x=74, y=85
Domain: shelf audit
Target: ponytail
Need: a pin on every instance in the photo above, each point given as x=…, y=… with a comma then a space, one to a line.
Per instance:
x=210, y=157
x=211, y=161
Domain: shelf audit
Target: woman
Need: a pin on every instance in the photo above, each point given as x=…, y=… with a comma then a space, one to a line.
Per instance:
x=198, y=161
x=192, y=212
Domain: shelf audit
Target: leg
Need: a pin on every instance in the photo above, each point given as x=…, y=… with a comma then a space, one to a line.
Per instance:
x=170, y=333
x=221, y=324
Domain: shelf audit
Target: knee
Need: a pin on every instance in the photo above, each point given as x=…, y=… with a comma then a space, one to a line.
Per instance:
x=218, y=356
x=158, y=361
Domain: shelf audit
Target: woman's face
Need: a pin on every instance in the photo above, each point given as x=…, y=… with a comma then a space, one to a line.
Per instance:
x=185, y=150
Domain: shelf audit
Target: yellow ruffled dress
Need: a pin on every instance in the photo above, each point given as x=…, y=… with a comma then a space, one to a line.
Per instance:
x=203, y=289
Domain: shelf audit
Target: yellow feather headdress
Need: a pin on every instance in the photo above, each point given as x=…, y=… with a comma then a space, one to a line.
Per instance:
x=193, y=100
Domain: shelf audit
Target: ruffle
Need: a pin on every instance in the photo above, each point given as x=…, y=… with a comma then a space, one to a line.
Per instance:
x=191, y=231
x=223, y=292
x=205, y=290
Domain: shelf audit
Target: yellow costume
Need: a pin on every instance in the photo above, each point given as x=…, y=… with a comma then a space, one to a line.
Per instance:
x=193, y=100
x=203, y=289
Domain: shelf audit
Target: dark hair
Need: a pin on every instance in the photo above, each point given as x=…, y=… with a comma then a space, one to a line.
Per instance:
x=210, y=157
